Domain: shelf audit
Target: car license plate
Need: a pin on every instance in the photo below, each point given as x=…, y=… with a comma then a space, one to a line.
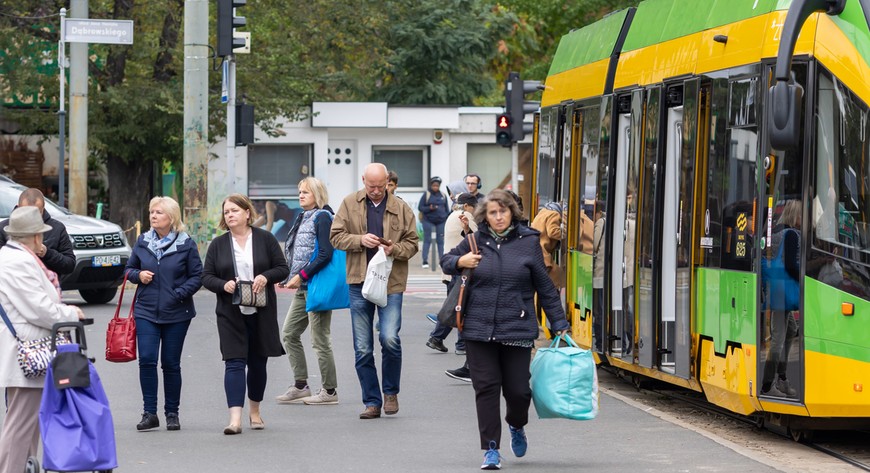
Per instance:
x=101, y=261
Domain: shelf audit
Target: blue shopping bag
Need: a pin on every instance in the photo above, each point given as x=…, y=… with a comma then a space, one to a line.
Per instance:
x=565, y=382
x=327, y=289
x=76, y=424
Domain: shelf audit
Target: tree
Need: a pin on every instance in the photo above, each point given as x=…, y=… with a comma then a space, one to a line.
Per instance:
x=440, y=51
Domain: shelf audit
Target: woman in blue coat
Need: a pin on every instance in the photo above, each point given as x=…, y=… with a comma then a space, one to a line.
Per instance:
x=500, y=327
x=165, y=264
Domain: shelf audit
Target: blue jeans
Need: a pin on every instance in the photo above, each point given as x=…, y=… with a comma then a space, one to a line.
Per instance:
x=362, y=316
x=427, y=239
x=167, y=340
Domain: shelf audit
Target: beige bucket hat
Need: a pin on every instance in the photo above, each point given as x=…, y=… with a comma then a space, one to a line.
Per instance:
x=26, y=221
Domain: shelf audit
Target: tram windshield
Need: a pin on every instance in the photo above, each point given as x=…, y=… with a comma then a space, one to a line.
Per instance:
x=841, y=204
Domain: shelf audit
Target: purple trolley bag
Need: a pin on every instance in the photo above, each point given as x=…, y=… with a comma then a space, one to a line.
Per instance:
x=75, y=423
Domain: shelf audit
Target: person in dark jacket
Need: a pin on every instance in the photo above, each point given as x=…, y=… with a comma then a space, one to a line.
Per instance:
x=500, y=327
x=434, y=209
x=165, y=264
x=248, y=335
x=309, y=232
x=56, y=251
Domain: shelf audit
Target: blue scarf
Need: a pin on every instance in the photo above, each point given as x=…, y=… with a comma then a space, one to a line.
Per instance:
x=159, y=246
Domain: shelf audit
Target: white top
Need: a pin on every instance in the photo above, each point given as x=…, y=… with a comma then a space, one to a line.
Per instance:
x=244, y=266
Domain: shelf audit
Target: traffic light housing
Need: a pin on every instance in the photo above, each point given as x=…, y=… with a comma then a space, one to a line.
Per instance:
x=503, y=130
x=226, y=23
x=517, y=106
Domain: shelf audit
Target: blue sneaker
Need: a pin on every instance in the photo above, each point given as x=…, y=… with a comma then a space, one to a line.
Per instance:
x=491, y=459
x=519, y=442
x=432, y=318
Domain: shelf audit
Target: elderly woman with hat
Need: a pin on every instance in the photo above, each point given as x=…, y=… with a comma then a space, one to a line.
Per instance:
x=30, y=301
x=434, y=208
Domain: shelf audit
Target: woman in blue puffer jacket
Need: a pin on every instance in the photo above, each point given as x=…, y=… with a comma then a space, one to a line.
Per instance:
x=500, y=326
x=165, y=264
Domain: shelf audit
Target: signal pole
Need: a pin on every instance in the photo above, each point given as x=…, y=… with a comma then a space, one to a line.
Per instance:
x=78, y=118
x=196, y=67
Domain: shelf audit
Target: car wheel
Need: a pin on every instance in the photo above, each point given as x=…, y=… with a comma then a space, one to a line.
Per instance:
x=98, y=296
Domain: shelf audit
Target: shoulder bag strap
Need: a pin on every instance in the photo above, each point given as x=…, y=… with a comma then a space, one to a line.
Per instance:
x=472, y=243
x=233, y=253
x=8, y=323
x=121, y=297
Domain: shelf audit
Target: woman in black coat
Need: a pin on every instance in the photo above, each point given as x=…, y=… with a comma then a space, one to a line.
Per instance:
x=500, y=327
x=248, y=335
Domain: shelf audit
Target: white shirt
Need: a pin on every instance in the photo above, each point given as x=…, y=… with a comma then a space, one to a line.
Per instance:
x=244, y=266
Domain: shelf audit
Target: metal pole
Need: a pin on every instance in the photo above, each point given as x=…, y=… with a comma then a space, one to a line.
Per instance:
x=515, y=167
x=196, y=69
x=78, y=123
x=231, y=122
x=61, y=60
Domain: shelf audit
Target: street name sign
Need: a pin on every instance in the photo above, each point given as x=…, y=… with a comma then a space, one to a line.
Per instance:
x=86, y=30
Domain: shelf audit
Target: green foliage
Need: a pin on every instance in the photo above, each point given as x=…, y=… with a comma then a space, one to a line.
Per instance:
x=440, y=52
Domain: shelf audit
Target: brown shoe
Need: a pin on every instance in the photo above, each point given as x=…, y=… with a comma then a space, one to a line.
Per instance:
x=371, y=412
x=391, y=404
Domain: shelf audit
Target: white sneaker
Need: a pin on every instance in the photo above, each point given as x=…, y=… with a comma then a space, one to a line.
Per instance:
x=322, y=398
x=293, y=395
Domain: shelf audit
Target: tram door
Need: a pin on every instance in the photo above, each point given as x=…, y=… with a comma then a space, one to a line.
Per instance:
x=628, y=138
x=783, y=230
x=674, y=330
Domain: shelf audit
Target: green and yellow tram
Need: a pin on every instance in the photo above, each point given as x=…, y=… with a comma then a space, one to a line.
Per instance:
x=654, y=134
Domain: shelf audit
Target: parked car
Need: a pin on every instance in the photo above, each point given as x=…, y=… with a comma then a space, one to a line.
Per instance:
x=100, y=247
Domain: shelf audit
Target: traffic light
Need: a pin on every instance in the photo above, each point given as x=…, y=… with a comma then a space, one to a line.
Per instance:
x=226, y=23
x=244, y=124
x=517, y=107
x=503, y=130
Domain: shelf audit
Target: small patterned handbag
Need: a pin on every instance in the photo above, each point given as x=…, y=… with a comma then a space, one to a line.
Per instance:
x=34, y=356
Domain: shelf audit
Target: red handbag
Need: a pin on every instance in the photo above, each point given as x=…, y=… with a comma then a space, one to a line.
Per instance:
x=121, y=335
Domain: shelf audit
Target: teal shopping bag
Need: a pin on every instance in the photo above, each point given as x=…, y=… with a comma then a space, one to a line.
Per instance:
x=565, y=382
x=328, y=289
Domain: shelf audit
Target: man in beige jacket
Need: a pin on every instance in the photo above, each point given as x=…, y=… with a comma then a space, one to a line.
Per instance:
x=369, y=219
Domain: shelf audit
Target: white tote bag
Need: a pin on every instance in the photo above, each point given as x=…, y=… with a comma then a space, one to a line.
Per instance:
x=377, y=278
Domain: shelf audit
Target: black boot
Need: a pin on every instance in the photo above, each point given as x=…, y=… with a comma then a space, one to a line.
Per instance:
x=172, y=422
x=149, y=421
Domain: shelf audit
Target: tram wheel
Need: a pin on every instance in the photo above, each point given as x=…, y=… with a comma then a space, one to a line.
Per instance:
x=32, y=465
x=759, y=422
x=637, y=380
x=800, y=435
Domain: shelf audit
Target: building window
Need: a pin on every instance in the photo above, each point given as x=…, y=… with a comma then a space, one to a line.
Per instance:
x=275, y=170
x=410, y=163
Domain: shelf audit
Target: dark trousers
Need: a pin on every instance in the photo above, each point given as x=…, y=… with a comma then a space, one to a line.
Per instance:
x=783, y=330
x=235, y=378
x=442, y=331
x=167, y=341
x=499, y=369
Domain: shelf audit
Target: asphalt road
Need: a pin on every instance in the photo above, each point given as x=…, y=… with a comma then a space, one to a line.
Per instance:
x=434, y=431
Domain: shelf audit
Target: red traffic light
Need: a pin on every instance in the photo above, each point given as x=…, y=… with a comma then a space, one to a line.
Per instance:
x=503, y=122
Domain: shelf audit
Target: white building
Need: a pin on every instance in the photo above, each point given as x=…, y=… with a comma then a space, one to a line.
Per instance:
x=341, y=138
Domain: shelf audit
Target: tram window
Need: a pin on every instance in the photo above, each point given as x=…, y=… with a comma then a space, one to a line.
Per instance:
x=731, y=182
x=841, y=204
x=742, y=110
x=711, y=237
x=648, y=183
x=589, y=176
x=547, y=155
x=739, y=176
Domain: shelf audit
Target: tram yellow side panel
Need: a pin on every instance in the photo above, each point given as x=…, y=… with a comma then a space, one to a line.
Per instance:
x=576, y=84
x=836, y=386
x=726, y=381
x=839, y=54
